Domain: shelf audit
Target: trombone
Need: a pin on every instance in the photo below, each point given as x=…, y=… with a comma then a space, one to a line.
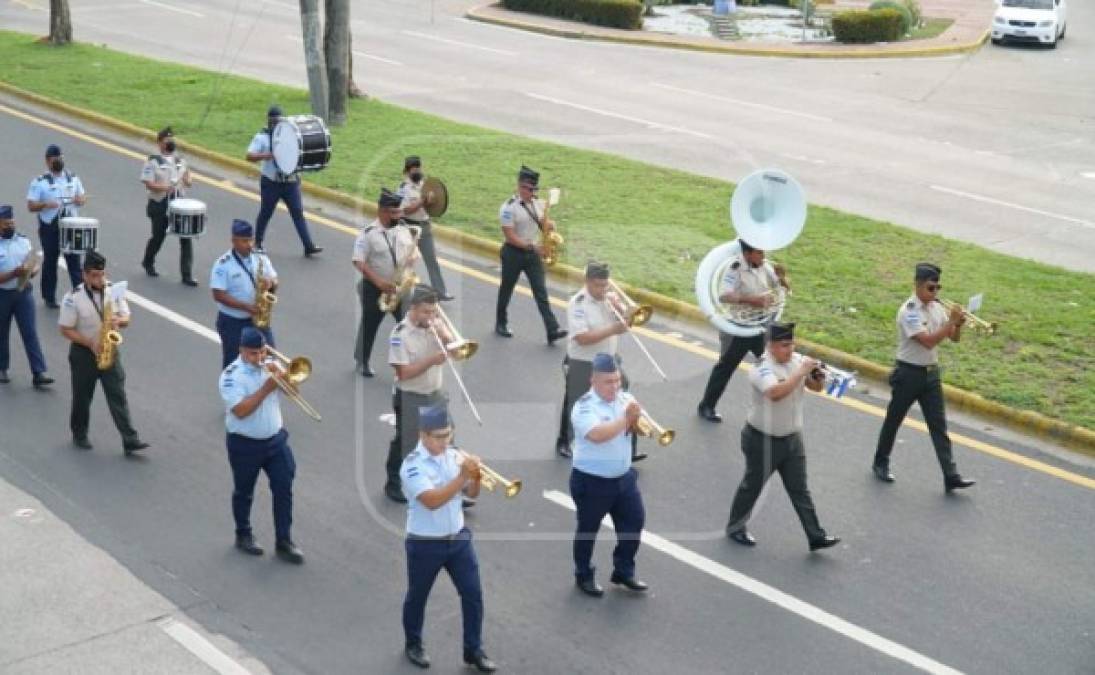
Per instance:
x=491, y=479
x=976, y=322
x=461, y=346
x=295, y=371
x=633, y=315
x=637, y=314
x=646, y=427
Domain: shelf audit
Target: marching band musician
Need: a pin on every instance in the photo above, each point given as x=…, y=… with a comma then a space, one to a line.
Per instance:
x=165, y=177
x=47, y=197
x=771, y=439
x=381, y=250
x=522, y=223
x=747, y=282
x=236, y=283
x=257, y=441
x=80, y=320
x=594, y=328
x=414, y=213
x=15, y=257
x=434, y=479
x=922, y=323
x=276, y=186
x=602, y=481
x=419, y=366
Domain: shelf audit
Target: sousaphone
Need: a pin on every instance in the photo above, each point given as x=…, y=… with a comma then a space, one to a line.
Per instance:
x=435, y=197
x=768, y=210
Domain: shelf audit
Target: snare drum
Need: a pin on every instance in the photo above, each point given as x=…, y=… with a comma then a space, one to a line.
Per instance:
x=79, y=235
x=301, y=143
x=186, y=218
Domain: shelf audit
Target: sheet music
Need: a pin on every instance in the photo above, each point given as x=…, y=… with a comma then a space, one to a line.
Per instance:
x=975, y=303
x=118, y=290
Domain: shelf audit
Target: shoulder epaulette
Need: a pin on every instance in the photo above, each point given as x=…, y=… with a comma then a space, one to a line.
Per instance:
x=736, y=264
x=910, y=305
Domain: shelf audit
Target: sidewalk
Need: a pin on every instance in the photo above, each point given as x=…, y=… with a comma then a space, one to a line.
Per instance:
x=972, y=21
x=68, y=607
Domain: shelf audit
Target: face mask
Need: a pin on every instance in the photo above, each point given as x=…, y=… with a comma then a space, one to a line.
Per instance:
x=169, y=147
x=57, y=165
x=416, y=176
x=7, y=234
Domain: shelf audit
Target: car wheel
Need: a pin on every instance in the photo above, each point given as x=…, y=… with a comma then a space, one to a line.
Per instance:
x=995, y=41
x=1063, y=29
x=1052, y=45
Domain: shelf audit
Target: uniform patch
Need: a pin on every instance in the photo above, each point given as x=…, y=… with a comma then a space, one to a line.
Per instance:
x=912, y=318
x=910, y=305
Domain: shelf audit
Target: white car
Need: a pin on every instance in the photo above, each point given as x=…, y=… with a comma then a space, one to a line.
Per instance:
x=1040, y=21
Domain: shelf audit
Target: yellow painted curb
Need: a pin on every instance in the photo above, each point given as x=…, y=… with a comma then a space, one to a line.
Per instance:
x=1077, y=437
x=476, y=14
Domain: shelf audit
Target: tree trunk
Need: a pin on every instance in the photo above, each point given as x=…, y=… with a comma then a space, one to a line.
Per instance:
x=352, y=89
x=313, y=56
x=60, y=22
x=336, y=49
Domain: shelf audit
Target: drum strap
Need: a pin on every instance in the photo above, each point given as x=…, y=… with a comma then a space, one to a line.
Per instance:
x=247, y=269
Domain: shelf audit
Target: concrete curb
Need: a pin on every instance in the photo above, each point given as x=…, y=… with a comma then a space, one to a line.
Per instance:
x=1076, y=437
x=478, y=14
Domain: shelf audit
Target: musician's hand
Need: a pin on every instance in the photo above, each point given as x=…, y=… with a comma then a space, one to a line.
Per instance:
x=439, y=358
x=388, y=287
x=756, y=301
x=470, y=467
x=957, y=315
x=252, y=309
x=93, y=345
x=52, y=204
x=808, y=366
x=549, y=225
x=117, y=322
x=632, y=413
x=80, y=200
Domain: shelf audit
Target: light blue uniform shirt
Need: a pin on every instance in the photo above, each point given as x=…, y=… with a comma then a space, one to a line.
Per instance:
x=422, y=471
x=238, y=381
x=612, y=458
x=229, y=276
x=261, y=143
x=66, y=185
x=12, y=254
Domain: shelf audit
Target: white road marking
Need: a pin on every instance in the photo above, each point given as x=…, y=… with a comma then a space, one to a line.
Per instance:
x=457, y=43
x=739, y=102
x=802, y=158
x=299, y=40
x=172, y=8
x=201, y=648
x=777, y=597
x=628, y=118
x=1088, y=174
x=1018, y=207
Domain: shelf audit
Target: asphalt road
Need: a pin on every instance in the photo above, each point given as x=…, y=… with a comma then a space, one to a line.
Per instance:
x=994, y=580
x=994, y=148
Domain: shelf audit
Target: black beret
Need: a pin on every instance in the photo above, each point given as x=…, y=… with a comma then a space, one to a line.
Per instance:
x=423, y=293
x=781, y=331
x=745, y=247
x=925, y=271
x=411, y=162
x=94, y=260
x=388, y=199
x=527, y=175
x=164, y=133
x=274, y=111
x=596, y=270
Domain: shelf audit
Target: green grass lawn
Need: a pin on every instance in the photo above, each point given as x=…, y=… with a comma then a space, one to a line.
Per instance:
x=652, y=224
x=929, y=29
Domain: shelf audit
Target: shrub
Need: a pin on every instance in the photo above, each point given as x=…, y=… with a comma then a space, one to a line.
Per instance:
x=611, y=13
x=899, y=5
x=875, y=25
x=914, y=11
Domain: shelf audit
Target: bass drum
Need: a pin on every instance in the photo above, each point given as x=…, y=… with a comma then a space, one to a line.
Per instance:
x=301, y=143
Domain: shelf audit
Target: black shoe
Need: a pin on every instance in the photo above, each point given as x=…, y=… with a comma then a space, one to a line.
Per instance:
x=502, y=330
x=559, y=334
x=4, y=379
x=742, y=537
x=446, y=297
x=957, y=482
x=589, y=586
x=81, y=442
x=630, y=583
x=135, y=446
x=825, y=542
x=150, y=270
x=562, y=448
x=365, y=371
x=639, y=456
x=708, y=413
x=246, y=543
x=883, y=473
x=394, y=493
x=309, y=252
x=417, y=656
x=480, y=661
x=190, y=282
x=40, y=379
x=467, y=502
x=289, y=552
x=52, y=304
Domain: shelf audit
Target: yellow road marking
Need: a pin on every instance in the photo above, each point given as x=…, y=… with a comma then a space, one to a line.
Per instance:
x=711, y=355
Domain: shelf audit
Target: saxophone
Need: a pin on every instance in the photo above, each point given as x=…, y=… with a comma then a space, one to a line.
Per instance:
x=109, y=338
x=551, y=242
x=264, y=299
x=405, y=279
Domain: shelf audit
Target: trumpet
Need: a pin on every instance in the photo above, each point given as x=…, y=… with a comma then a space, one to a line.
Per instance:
x=835, y=382
x=977, y=323
x=264, y=298
x=460, y=348
x=646, y=427
x=30, y=266
x=294, y=371
x=551, y=242
x=405, y=279
x=492, y=480
x=636, y=313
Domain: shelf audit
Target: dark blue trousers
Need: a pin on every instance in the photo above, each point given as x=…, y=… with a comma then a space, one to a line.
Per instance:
x=49, y=235
x=596, y=497
x=229, y=329
x=248, y=456
x=289, y=192
x=425, y=559
x=20, y=306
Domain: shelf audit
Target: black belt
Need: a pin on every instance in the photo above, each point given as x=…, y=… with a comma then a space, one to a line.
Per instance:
x=934, y=368
x=755, y=430
x=443, y=537
x=416, y=222
x=519, y=249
